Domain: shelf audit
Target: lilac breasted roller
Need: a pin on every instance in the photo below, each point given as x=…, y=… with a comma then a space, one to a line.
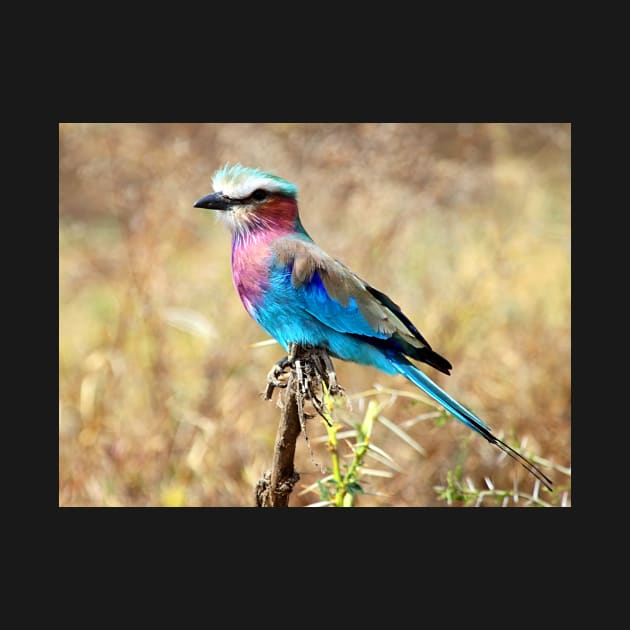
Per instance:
x=301, y=295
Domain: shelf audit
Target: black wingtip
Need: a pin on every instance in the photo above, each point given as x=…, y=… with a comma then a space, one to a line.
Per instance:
x=432, y=358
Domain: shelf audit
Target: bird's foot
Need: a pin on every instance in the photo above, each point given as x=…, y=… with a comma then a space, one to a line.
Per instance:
x=334, y=389
x=313, y=368
x=277, y=376
x=327, y=373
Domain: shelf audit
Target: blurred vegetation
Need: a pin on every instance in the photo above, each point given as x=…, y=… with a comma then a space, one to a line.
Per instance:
x=465, y=226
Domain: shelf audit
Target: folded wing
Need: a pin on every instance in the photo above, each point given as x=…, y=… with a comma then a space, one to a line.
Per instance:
x=340, y=299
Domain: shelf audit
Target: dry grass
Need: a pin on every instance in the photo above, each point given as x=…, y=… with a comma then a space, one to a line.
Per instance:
x=467, y=227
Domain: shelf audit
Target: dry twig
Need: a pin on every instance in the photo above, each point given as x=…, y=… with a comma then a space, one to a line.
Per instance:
x=308, y=368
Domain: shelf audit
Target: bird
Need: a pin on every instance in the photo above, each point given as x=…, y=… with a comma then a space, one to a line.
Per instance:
x=299, y=294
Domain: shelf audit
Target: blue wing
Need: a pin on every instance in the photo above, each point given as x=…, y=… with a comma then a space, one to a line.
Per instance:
x=334, y=296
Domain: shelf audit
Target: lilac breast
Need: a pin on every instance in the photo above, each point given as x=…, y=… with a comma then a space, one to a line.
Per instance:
x=251, y=263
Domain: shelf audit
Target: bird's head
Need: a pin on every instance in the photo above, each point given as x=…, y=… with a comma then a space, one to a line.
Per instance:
x=251, y=200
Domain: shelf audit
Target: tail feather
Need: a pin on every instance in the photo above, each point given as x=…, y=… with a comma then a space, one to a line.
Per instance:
x=418, y=378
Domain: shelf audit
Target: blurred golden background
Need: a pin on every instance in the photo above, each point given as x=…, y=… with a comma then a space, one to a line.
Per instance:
x=465, y=226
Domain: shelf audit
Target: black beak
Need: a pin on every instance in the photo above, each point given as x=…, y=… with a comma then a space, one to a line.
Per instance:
x=215, y=201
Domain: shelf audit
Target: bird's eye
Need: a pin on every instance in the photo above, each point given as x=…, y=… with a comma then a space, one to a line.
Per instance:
x=259, y=194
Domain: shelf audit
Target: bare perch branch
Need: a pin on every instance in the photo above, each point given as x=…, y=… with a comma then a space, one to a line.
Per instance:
x=309, y=368
x=274, y=489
